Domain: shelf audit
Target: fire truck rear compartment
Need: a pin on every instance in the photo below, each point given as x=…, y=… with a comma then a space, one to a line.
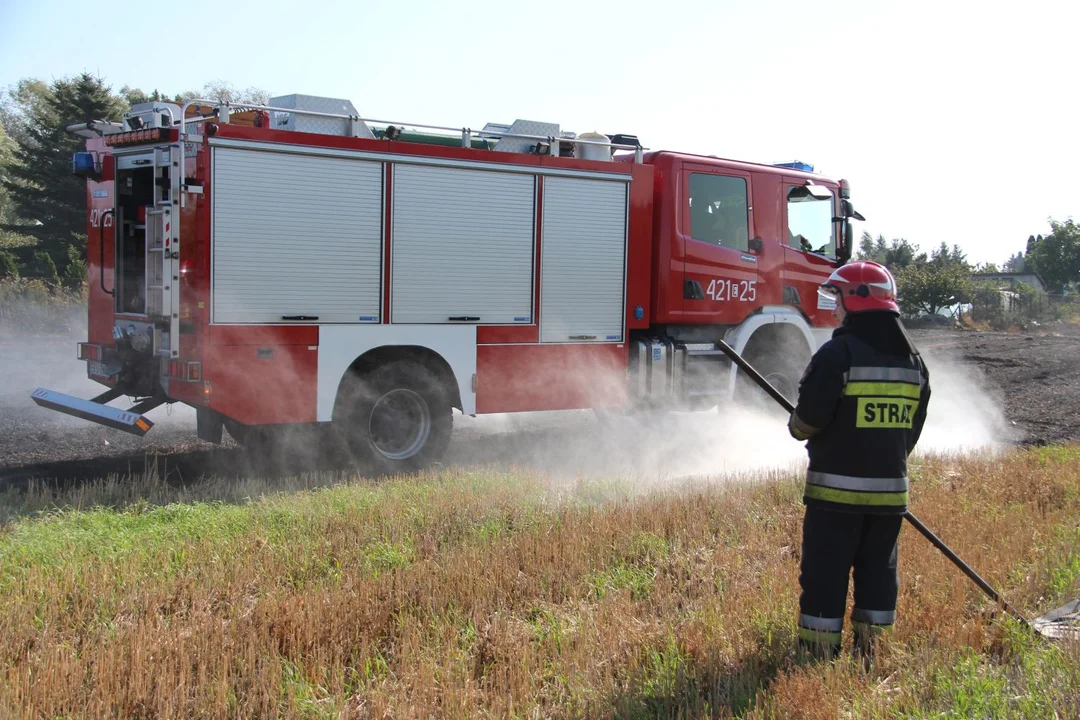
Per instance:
x=135, y=190
x=142, y=186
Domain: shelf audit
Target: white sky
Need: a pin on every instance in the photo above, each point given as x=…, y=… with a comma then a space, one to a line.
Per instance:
x=954, y=121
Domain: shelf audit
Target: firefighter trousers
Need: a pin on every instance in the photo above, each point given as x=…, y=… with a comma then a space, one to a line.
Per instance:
x=832, y=544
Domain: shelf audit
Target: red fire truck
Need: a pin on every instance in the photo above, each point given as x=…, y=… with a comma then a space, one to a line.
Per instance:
x=295, y=264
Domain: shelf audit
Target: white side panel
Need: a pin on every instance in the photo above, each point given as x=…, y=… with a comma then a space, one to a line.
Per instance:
x=340, y=345
x=583, y=261
x=295, y=235
x=462, y=246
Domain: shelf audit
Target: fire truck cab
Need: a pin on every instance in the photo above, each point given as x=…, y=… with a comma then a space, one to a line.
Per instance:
x=296, y=264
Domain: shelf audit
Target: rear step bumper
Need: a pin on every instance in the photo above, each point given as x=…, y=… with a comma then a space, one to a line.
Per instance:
x=95, y=410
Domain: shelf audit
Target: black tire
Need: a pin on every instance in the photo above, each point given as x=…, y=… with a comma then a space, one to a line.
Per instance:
x=396, y=418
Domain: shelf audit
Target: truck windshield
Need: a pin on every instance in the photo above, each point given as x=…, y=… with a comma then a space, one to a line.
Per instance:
x=810, y=224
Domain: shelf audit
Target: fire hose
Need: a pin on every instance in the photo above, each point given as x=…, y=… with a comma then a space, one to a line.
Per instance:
x=915, y=522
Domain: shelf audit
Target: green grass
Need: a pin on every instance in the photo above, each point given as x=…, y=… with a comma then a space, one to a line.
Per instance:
x=638, y=581
x=66, y=537
x=148, y=536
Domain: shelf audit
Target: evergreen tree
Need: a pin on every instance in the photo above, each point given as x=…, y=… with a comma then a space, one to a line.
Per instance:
x=10, y=240
x=1056, y=257
x=1015, y=263
x=931, y=285
x=9, y=267
x=15, y=104
x=895, y=255
x=39, y=183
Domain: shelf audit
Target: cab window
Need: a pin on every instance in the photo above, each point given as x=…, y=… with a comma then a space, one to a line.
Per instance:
x=810, y=225
x=718, y=210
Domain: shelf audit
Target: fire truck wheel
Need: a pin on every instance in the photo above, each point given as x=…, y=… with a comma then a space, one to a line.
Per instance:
x=783, y=373
x=397, y=417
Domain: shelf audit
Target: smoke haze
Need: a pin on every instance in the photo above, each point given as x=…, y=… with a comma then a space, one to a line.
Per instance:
x=724, y=444
x=965, y=417
x=966, y=411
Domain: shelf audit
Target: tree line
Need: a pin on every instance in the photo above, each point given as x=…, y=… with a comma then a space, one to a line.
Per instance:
x=43, y=206
x=944, y=278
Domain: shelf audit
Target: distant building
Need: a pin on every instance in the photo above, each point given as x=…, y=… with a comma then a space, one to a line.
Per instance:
x=1009, y=281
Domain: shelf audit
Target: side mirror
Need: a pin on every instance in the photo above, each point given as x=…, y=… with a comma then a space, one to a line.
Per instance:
x=850, y=211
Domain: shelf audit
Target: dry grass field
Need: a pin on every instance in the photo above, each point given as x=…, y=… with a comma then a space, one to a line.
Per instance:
x=495, y=594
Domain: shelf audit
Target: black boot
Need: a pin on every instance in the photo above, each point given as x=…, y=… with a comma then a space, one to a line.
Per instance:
x=865, y=643
x=817, y=651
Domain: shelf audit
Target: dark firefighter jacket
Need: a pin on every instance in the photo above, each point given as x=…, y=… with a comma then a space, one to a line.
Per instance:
x=868, y=408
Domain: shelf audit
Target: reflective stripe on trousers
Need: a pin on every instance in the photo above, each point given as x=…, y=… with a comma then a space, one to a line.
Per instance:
x=819, y=629
x=869, y=623
x=873, y=617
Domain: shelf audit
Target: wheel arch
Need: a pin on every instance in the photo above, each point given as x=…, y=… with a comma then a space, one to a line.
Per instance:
x=450, y=351
x=776, y=336
x=385, y=354
x=775, y=327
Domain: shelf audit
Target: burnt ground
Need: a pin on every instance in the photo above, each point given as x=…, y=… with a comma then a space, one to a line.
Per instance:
x=1034, y=374
x=1032, y=377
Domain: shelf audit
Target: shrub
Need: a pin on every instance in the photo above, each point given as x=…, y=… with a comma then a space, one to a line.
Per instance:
x=30, y=305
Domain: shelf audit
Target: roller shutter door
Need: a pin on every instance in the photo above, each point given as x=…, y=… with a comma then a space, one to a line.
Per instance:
x=295, y=235
x=462, y=246
x=583, y=260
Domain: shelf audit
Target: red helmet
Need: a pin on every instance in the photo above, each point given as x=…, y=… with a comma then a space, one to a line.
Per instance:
x=863, y=286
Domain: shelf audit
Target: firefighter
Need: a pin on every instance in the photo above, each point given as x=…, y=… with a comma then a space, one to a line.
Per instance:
x=861, y=408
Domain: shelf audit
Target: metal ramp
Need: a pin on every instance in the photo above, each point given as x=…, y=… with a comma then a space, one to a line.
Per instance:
x=95, y=410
